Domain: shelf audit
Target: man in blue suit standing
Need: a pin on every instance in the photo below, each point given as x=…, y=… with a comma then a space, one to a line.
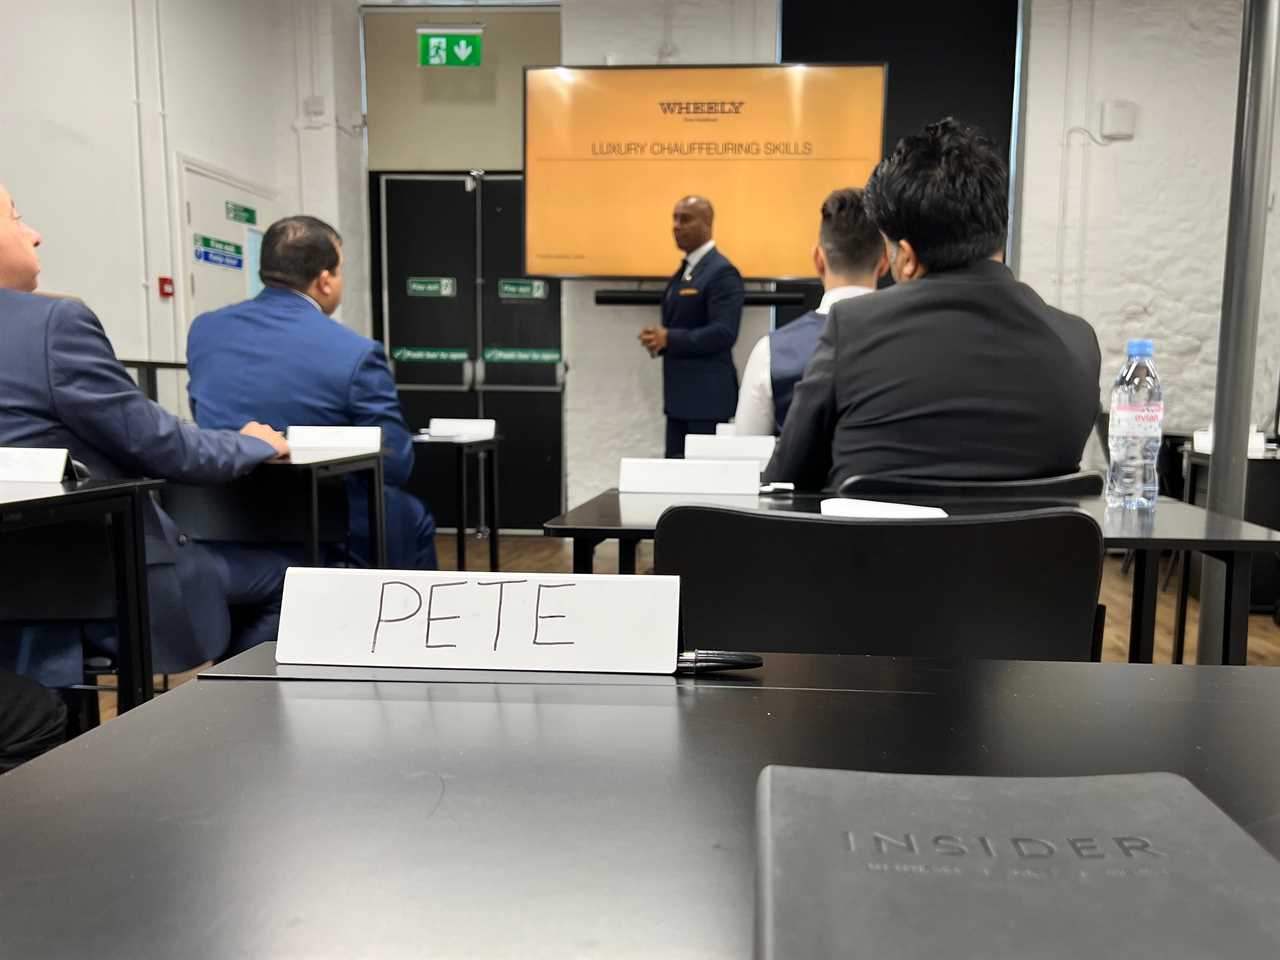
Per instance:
x=701, y=312
x=281, y=355
x=62, y=386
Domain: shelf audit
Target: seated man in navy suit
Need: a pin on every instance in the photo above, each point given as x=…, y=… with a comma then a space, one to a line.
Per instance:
x=62, y=386
x=849, y=257
x=701, y=312
x=281, y=355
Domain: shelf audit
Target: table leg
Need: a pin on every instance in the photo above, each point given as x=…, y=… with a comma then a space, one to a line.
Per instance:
x=462, y=507
x=377, y=517
x=492, y=497
x=1235, y=614
x=147, y=383
x=584, y=554
x=1184, y=574
x=1142, y=618
x=133, y=612
x=1180, y=622
x=313, y=519
x=626, y=556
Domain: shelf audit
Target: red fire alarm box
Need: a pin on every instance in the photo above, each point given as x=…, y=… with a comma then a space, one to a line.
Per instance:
x=166, y=287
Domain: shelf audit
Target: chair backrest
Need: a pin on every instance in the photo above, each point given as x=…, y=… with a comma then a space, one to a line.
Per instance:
x=1021, y=585
x=1085, y=483
x=265, y=506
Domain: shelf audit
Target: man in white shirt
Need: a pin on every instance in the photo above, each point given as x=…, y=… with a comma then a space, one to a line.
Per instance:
x=849, y=257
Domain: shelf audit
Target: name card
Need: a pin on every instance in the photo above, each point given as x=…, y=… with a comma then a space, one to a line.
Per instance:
x=703, y=447
x=878, y=510
x=639, y=475
x=456, y=428
x=34, y=464
x=362, y=439
x=479, y=621
x=644, y=509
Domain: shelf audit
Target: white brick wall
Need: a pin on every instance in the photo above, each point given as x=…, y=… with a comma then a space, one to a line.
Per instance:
x=1133, y=236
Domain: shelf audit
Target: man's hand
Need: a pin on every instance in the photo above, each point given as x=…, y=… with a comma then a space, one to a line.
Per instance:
x=654, y=339
x=260, y=430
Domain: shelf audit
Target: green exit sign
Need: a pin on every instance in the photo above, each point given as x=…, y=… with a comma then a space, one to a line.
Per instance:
x=432, y=287
x=442, y=47
x=522, y=289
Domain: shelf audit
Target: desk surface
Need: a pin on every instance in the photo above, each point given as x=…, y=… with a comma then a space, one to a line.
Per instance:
x=316, y=456
x=341, y=818
x=14, y=494
x=1172, y=525
x=458, y=441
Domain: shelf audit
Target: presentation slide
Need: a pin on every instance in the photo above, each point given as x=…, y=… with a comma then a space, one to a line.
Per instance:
x=609, y=151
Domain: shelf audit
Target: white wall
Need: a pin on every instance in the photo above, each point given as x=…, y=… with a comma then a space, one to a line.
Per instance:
x=218, y=82
x=613, y=397
x=69, y=152
x=1132, y=236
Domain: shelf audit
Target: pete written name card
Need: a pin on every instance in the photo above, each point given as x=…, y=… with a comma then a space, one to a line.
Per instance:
x=479, y=621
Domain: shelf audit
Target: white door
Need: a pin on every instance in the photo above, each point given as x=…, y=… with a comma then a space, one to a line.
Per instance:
x=223, y=222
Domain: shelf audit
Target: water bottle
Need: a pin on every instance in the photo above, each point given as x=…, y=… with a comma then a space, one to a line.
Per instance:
x=1137, y=409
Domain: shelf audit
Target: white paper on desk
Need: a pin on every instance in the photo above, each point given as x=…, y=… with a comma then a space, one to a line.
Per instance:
x=456, y=428
x=33, y=464
x=878, y=510
x=355, y=439
x=644, y=509
x=479, y=621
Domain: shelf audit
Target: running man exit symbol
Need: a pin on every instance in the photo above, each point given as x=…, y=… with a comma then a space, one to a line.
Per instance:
x=444, y=47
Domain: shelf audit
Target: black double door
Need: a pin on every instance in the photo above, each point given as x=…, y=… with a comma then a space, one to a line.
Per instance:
x=468, y=335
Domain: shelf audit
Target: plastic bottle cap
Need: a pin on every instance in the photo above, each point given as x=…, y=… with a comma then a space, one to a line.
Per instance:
x=1142, y=348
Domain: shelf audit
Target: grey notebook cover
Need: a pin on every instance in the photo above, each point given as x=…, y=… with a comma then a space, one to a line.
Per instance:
x=895, y=865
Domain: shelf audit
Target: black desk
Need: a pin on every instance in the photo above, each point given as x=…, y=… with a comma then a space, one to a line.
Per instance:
x=120, y=503
x=463, y=449
x=315, y=465
x=1173, y=525
x=280, y=499
x=543, y=819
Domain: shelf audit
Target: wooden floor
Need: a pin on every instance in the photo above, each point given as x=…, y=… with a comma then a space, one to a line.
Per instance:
x=552, y=555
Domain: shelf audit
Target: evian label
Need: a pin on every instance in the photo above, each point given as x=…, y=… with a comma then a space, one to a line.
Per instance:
x=1136, y=420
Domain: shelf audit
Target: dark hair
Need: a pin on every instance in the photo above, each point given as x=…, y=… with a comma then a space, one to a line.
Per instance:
x=946, y=192
x=296, y=250
x=850, y=240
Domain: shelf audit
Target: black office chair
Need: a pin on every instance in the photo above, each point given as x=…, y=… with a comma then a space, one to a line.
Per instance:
x=1021, y=585
x=1085, y=483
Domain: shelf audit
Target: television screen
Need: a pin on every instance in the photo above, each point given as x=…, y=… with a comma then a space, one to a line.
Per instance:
x=609, y=150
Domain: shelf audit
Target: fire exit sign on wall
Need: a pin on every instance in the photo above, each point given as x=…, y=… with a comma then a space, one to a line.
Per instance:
x=441, y=46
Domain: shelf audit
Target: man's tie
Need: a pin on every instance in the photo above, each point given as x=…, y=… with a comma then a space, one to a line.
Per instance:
x=686, y=271
x=679, y=278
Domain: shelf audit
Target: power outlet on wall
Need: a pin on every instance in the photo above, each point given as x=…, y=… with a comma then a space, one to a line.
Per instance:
x=1119, y=120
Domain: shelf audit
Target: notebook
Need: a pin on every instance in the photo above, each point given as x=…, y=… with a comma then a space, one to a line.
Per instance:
x=894, y=865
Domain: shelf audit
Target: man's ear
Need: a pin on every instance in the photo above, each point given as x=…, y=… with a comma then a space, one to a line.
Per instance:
x=819, y=261
x=909, y=265
x=324, y=282
x=883, y=266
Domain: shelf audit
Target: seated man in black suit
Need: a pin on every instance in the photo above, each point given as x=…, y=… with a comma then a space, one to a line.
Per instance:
x=959, y=371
